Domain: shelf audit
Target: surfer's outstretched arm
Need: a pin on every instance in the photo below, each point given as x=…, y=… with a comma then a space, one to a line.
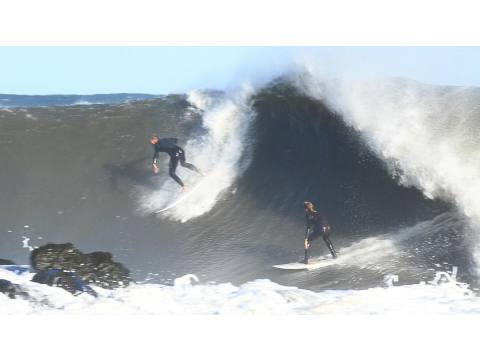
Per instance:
x=155, y=157
x=155, y=167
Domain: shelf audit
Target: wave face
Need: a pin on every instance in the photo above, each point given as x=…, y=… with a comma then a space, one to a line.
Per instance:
x=82, y=174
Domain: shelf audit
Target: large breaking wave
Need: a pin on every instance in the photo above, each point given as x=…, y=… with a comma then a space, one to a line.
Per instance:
x=393, y=164
x=426, y=135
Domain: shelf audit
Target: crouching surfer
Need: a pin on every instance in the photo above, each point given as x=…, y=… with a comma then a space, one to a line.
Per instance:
x=176, y=153
x=317, y=226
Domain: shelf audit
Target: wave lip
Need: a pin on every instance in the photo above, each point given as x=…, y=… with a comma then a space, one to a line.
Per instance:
x=423, y=133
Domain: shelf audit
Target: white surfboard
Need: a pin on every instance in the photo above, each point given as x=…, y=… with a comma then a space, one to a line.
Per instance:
x=182, y=197
x=312, y=264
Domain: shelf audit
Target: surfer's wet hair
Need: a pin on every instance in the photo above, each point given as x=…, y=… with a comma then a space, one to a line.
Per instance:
x=308, y=206
x=154, y=139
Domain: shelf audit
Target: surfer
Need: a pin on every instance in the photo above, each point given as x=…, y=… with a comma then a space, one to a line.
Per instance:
x=176, y=153
x=316, y=225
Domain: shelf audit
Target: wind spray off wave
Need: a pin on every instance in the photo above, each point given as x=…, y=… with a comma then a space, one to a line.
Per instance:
x=426, y=135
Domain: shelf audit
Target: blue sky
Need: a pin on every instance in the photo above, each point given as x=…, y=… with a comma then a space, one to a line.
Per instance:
x=162, y=70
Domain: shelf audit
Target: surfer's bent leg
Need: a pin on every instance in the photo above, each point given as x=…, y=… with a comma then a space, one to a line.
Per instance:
x=311, y=237
x=326, y=238
x=183, y=162
x=172, y=168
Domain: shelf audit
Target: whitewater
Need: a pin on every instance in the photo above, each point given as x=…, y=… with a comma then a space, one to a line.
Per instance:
x=442, y=295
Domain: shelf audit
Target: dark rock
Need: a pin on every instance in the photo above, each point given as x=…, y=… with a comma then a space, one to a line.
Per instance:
x=55, y=256
x=7, y=288
x=95, y=268
x=6, y=262
x=12, y=290
x=62, y=279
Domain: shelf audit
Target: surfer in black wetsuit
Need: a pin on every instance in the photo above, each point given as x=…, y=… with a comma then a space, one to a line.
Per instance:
x=316, y=225
x=176, y=153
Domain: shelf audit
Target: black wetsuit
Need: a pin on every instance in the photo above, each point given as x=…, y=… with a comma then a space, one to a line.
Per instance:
x=176, y=153
x=318, y=226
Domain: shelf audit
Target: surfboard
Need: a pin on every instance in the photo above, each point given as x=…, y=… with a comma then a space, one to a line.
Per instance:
x=182, y=197
x=312, y=264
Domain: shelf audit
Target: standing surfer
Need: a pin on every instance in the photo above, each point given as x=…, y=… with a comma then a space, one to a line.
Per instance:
x=176, y=153
x=316, y=225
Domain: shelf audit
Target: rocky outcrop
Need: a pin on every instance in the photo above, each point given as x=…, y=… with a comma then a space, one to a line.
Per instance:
x=96, y=268
x=65, y=280
x=8, y=288
x=13, y=291
x=6, y=262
